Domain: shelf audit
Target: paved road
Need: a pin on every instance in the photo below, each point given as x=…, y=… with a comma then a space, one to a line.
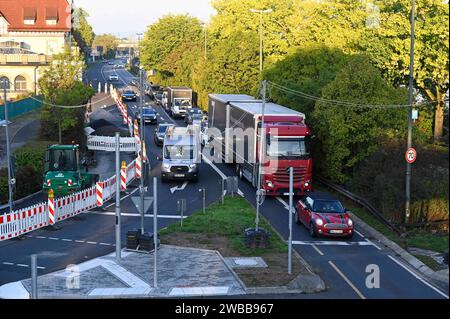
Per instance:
x=342, y=264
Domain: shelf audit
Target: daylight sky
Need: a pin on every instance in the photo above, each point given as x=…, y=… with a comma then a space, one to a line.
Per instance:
x=127, y=17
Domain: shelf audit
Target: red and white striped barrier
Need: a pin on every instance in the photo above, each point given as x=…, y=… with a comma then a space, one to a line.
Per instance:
x=51, y=208
x=99, y=191
x=48, y=213
x=123, y=176
x=138, y=166
x=144, y=152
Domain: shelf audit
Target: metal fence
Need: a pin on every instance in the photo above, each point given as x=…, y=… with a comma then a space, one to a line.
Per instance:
x=18, y=108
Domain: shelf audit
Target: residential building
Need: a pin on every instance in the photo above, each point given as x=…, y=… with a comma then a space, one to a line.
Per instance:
x=31, y=31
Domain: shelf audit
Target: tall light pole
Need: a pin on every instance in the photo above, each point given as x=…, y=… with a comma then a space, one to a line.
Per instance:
x=261, y=34
x=410, y=102
x=261, y=155
x=5, y=85
x=139, y=45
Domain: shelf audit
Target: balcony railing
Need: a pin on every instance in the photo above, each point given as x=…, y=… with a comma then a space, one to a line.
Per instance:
x=24, y=59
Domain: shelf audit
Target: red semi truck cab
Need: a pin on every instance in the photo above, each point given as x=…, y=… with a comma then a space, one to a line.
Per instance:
x=287, y=145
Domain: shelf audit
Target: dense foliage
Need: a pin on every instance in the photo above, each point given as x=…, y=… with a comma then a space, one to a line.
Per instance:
x=330, y=53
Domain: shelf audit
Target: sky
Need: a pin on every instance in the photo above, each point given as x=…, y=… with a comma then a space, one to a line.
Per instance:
x=127, y=17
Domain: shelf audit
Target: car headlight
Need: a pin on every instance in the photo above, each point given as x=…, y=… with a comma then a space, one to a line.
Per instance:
x=306, y=184
x=166, y=166
x=350, y=222
x=319, y=222
x=193, y=166
x=269, y=183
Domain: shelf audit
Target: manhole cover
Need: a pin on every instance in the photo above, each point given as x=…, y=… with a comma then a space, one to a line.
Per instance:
x=245, y=262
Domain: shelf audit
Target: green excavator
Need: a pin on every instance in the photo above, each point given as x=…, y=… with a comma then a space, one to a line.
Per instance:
x=63, y=171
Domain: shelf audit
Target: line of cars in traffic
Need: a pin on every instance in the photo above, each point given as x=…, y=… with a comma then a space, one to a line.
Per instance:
x=321, y=213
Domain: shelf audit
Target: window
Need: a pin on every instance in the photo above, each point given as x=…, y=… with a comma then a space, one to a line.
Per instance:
x=29, y=16
x=20, y=84
x=51, y=16
x=4, y=81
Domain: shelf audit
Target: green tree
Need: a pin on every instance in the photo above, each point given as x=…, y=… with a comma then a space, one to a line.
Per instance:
x=308, y=70
x=83, y=32
x=232, y=67
x=62, y=88
x=109, y=43
x=349, y=134
x=166, y=35
x=389, y=46
x=235, y=15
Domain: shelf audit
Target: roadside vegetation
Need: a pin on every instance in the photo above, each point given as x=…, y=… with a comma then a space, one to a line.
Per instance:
x=221, y=228
x=348, y=74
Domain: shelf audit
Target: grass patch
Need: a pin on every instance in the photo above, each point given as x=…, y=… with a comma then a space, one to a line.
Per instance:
x=221, y=227
x=430, y=262
x=418, y=238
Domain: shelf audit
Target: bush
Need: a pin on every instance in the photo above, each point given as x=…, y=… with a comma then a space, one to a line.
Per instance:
x=381, y=179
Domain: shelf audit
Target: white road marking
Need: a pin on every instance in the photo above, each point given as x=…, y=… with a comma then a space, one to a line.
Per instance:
x=65, y=239
x=8, y=263
x=208, y=161
x=53, y=238
x=358, y=233
x=333, y=243
x=139, y=215
x=283, y=202
x=22, y=265
x=373, y=244
x=121, y=199
x=40, y=237
x=79, y=241
x=176, y=188
x=105, y=244
x=318, y=250
x=347, y=280
x=417, y=277
x=91, y=242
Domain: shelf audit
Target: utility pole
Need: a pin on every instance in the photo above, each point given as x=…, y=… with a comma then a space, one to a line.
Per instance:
x=261, y=145
x=141, y=187
x=261, y=34
x=118, y=225
x=291, y=204
x=410, y=102
x=5, y=85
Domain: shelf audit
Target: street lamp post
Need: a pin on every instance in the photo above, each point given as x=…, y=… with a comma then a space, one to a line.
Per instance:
x=5, y=85
x=410, y=102
x=261, y=34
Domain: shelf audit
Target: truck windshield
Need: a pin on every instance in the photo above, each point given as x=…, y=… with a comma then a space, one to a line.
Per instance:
x=183, y=104
x=179, y=152
x=62, y=160
x=288, y=147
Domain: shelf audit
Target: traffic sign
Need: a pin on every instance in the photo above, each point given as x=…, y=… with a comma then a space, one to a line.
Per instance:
x=411, y=155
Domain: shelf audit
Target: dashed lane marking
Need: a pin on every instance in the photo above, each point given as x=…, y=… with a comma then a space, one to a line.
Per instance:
x=318, y=250
x=6, y=263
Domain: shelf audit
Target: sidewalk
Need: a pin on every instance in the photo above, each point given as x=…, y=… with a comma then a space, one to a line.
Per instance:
x=22, y=130
x=181, y=272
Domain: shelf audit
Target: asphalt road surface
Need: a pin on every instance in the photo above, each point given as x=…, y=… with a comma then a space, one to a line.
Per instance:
x=344, y=265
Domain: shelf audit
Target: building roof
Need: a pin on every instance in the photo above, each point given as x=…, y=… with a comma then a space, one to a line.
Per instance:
x=15, y=12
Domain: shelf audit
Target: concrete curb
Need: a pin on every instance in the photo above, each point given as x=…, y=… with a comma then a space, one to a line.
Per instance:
x=399, y=251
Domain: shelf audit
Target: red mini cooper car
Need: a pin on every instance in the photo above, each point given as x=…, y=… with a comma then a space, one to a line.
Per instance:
x=324, y=215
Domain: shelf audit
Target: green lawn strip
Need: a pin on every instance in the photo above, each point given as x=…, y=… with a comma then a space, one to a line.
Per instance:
x=229, y=220
x=419, y=239
x=430, y=262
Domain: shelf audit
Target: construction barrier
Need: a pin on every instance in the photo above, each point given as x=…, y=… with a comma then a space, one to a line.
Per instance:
x=27, y=219
x=138, y=167
x=99, y=189
x=123, y=176
x=51, y=208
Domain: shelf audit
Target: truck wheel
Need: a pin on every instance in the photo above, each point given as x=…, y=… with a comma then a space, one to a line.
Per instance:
x=240, y=172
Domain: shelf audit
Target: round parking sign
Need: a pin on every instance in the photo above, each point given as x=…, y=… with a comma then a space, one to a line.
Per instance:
x=411, y=155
